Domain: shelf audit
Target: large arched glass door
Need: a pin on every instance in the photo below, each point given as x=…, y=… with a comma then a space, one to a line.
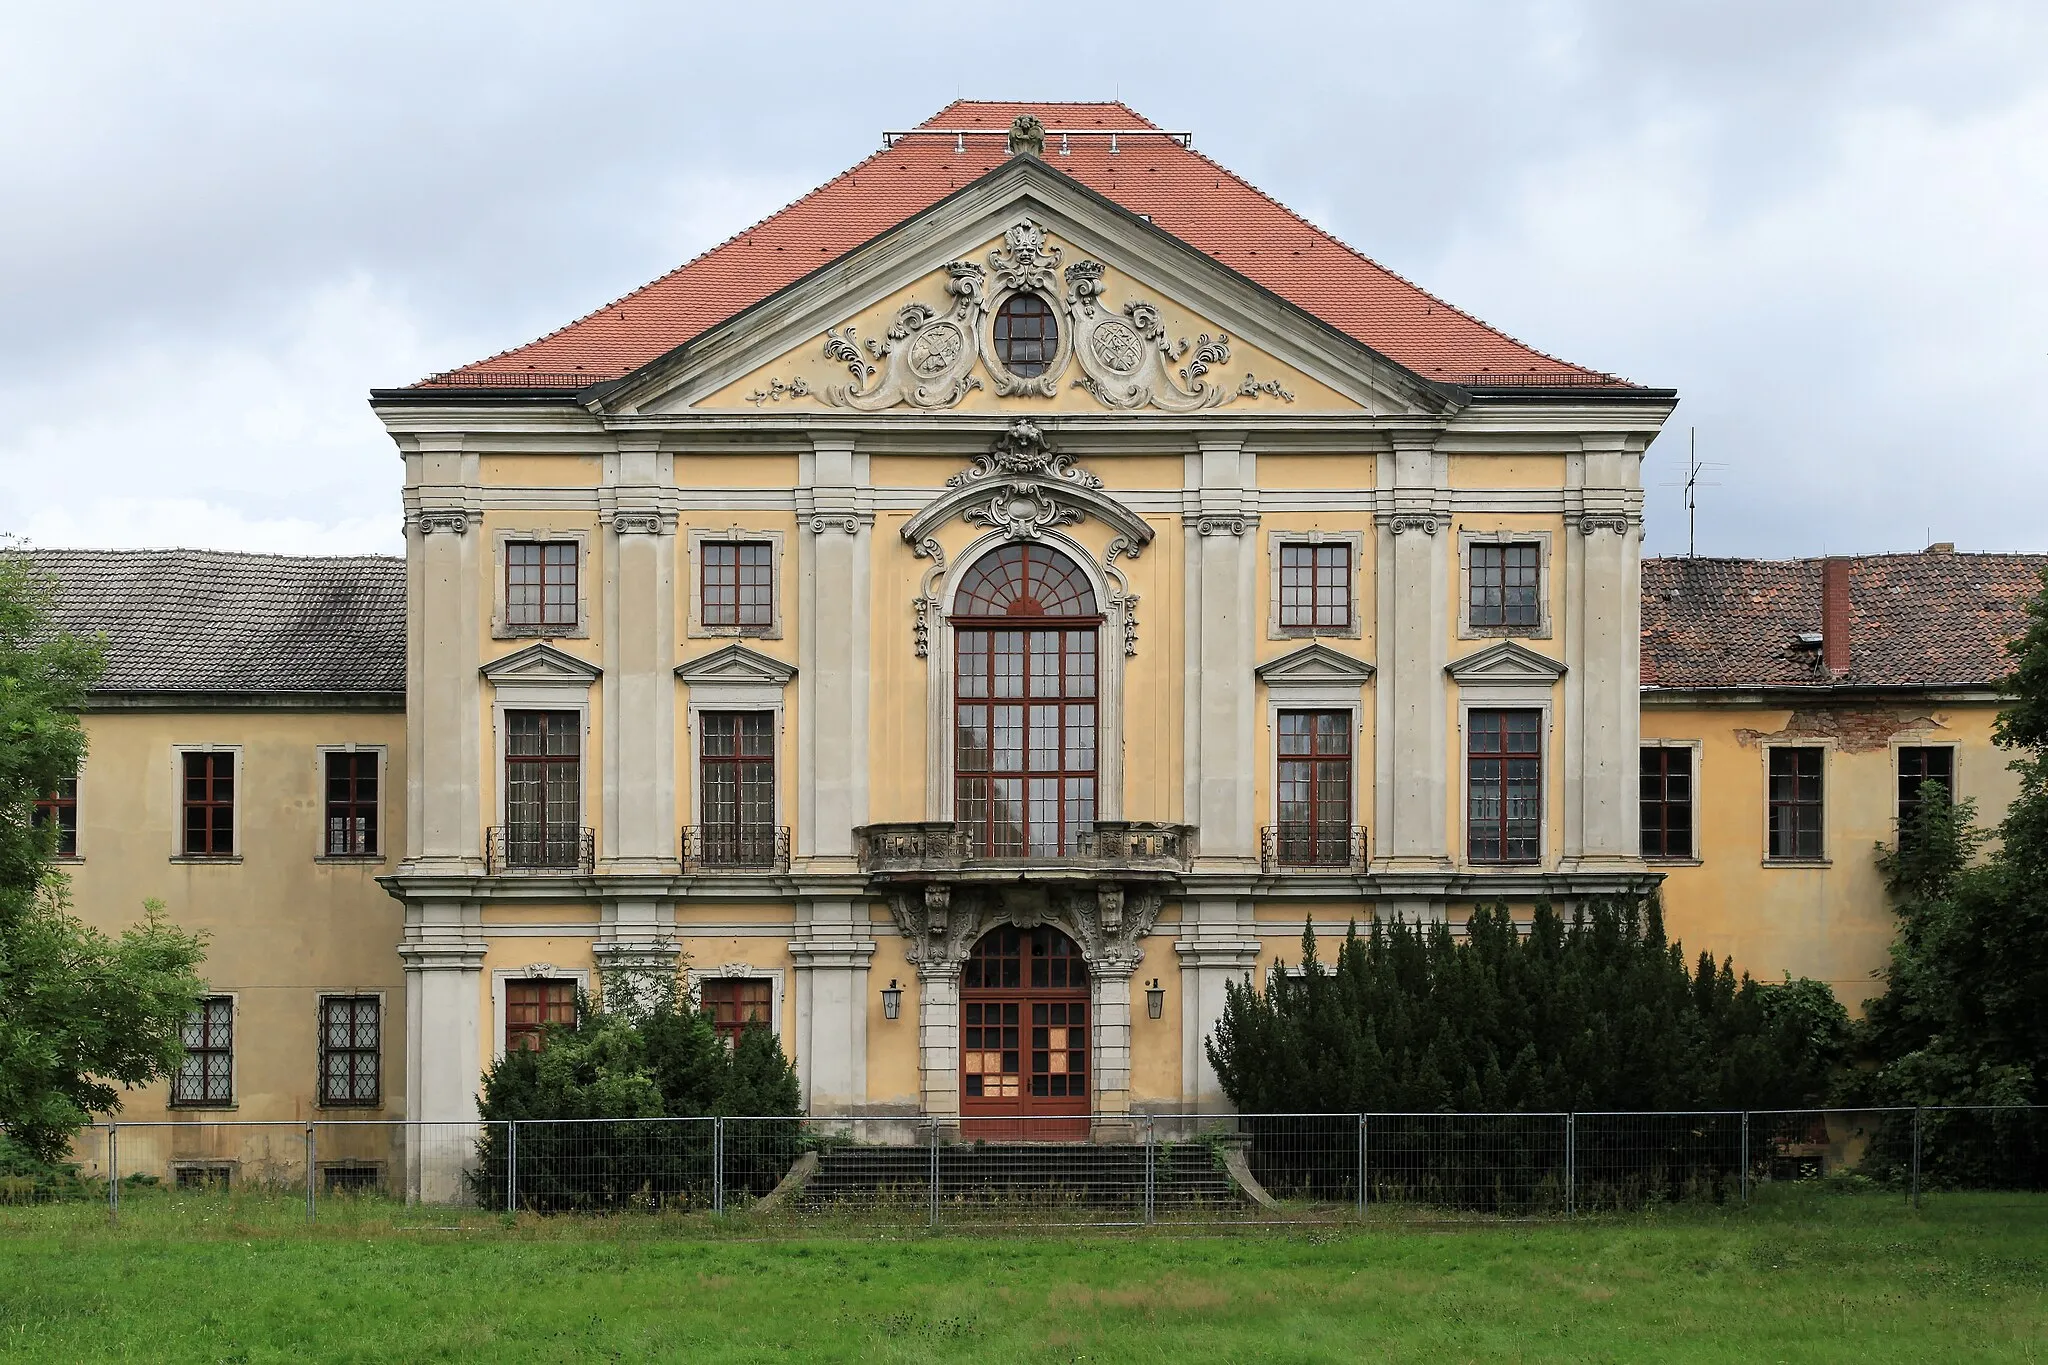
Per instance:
x=1024, y=1036
x=1025, y=705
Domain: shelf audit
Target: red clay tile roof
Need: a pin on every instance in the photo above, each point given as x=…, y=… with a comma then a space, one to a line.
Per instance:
x=1916, y=620
x=1185, y=193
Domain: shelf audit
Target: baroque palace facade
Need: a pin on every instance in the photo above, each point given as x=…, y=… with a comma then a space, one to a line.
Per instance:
x=964, y=621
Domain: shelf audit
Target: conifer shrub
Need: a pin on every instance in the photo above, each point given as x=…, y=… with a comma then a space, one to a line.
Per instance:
x=1418, y=1025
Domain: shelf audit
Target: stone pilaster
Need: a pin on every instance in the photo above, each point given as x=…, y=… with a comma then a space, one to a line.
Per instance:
x=639, y=626
x=831, y=950
x=833, y=644
x=1411, y=644
x=445, y=557
x=1602, y=692
x=1223, y=627
x=443, y=954
x=1109, y=1011
x=1217, y=945
x=938, y=1039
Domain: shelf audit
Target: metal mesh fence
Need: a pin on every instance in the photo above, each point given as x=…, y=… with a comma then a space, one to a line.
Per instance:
x=1075, y=1169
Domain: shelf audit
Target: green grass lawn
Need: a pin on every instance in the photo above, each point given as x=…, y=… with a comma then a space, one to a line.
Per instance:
x=1800, y=1277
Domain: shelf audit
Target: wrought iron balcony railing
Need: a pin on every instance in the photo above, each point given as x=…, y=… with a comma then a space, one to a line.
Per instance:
x=943, y=846
x=735, y=848
x=540, y=848
x=1312, y=848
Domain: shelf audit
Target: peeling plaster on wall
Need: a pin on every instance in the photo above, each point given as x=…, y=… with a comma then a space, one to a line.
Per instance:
x=1855, y=729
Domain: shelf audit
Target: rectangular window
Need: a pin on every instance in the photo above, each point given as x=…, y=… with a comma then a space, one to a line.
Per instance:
x=1795, y=821
x=530, y=1006
x=739, y=585
x=1919, y=765
x=350, y=1049
x=737, y=764
x=1504, y=786
x=1667, y=801
x=543, y=788
x=1503, y=590
x=206, y=1076
x=59, y=811
x=209, y=804
x=351, y=804
x=540, y=583
x=735, y=1002
x=1315, y=587
x=1315, y=789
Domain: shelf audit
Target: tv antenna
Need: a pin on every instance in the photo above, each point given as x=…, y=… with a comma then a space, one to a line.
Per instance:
x=1692, y=485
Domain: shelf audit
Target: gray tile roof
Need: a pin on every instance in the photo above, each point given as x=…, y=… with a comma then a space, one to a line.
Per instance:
x=211, y=621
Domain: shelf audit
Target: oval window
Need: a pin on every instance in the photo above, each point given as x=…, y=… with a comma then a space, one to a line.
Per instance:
x=1027, y=335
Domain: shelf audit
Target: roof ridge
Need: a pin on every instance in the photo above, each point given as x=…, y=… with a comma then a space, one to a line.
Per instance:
x=138, y=551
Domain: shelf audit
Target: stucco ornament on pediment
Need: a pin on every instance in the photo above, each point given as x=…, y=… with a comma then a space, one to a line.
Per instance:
x=1127, y=358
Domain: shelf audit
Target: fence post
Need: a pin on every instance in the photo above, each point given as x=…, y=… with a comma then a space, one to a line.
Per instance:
x=1363, y=1132
x=1916, y=1156
x=1571, y=1164
x=1151, y=1169
x=718, y=1164
x=512, y=1166
x=113, y=1173
x=310, y=1153
x=935, y=1175
x=1744, y=1173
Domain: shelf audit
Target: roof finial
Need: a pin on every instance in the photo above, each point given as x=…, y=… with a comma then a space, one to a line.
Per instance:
x=1027, y=135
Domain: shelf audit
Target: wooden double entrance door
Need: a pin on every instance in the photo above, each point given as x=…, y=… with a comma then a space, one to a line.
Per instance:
x=1024, y=1038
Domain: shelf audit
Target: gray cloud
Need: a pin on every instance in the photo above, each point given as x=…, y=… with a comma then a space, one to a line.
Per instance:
x=1818, y=221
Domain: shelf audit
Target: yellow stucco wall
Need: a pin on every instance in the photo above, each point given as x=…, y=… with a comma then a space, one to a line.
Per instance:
x=1829, y=919
x=283, y=925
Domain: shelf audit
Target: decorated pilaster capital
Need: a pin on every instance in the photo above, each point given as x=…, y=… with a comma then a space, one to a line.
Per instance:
x=448, y=955
x=1592, y=523
x=641, y=523
x=1426, y=522
x=848, y=523
x=443, y=521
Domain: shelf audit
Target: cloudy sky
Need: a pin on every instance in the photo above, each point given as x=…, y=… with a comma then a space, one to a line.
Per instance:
x=1822, y=223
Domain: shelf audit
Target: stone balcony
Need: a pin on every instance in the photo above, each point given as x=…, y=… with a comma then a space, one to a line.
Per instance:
x=1109, y=850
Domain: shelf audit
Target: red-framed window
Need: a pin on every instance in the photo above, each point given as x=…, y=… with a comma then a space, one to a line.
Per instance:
x=1315, y=788
x=531, y=1006
x=1027, y=335
x=736, y=763
x=352, y=804
x=738, y=586
x=540, y=583
x=734, y=1002
x=59, y=811
x=1797, y=809
x=1666, y=801
x=1315, y=587
x=1504, y=786
x=543, y=788
x=209, y=798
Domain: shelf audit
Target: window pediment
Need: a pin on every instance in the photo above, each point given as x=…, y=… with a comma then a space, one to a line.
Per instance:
x=542, y=664
x=1507, y=663
x=1317, y=665
x=1025, y=485
x=736, y=666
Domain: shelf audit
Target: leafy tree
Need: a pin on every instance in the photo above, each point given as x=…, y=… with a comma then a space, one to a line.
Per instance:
x=637, y=1054
x=1964, y=1015
x=83, y=1014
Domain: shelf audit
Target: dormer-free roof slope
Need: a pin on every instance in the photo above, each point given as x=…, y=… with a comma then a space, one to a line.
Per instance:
x=1181, y=191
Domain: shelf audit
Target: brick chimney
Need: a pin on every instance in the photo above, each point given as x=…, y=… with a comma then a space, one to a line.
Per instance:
x=1835, y=638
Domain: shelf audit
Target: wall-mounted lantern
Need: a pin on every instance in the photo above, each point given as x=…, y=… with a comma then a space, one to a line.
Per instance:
x=1155, y=1000
x=892, y=999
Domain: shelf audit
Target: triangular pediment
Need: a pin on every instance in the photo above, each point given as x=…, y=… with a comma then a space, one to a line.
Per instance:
x=1315, y=663
x=1147, y=323
x=1506, y=662
x=541, y=663
x=736, y=664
